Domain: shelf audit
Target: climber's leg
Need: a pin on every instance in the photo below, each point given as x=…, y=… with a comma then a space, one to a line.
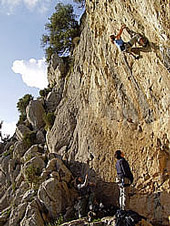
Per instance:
x=134, y=39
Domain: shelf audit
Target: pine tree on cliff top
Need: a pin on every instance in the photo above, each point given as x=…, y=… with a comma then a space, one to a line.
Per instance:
x=61, y=30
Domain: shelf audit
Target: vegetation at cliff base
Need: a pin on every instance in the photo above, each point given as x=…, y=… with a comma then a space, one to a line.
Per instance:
x=61, y=29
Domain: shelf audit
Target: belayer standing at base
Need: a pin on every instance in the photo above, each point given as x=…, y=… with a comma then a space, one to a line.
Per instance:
x=127, y=46
x=124, y=179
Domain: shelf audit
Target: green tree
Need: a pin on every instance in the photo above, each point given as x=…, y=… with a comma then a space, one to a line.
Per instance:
x=61, y=30
x=22, y=104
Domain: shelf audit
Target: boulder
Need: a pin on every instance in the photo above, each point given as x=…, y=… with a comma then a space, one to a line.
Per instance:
x=4, y=216
x=13, y=169
x=8, y=145
x=33, y=168
x=40, y=138
x=17, y=214
x=19, y=150
x=28, y=196
x=63, y=128
x=2, y=179
x=6, y=199
x=56, y=69
x=35, y=113
x=53, y=99
x=57, y=164
x=1, y=148
x=3, y=184
x=55, y=195
x=21, y=131
x=19, y=179
x=33, y=151
x=32, y=216
x=4, y=164
x=18, y=193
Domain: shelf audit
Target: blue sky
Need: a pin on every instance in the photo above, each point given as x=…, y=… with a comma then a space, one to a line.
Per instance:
x=22, y=64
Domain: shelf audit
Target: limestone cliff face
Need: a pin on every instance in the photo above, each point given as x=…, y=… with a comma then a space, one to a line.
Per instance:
x=112, y=101
x=101, y=100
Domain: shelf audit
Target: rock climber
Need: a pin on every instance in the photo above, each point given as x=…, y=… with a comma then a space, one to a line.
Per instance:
x=124, y=178
x=127, y=46
x=86, y=196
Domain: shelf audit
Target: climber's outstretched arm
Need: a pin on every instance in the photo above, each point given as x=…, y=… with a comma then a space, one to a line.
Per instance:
x=120, y=32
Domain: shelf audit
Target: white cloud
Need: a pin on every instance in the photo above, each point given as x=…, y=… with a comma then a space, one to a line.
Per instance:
x=8, y=128
x=41, y=5
x=31, y=3
x=33, y=72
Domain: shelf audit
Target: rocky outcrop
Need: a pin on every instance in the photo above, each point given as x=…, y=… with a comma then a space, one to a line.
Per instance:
x=21, y=131
x=106, y=221
x=19, y=150
x=33, y=151
x=40, y=137
x=56, y=70
x=35, y=114
x=105, y=101
x=55, y=195
x=122, y=102
x=53, y=99
x=62, y=132
x=32, y=216
x=57, y=165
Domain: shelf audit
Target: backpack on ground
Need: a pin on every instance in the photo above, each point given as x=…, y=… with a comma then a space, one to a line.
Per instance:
x=127, y=218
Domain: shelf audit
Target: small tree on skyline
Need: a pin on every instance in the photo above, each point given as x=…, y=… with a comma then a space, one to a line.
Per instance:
x=61, y=30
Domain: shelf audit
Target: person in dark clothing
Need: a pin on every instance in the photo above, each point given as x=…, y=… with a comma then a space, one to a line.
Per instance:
x=124, y=178
x=86, y=198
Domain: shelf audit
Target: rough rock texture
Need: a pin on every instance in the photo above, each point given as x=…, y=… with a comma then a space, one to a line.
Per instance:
x=21, y=130
x=32, y=216
x=63, y=128
x=56, y=164
x=56, y=70
x=106, y=221
x=105, y=101
x=54, y=98
x=19, y=150
x=120, y=102
x=33, y=151
x=35, y=114
x=40, y=138
x=55, y=195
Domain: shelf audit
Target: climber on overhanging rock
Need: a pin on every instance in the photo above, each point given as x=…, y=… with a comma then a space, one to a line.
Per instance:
x=124, y=179
x=127, y=46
